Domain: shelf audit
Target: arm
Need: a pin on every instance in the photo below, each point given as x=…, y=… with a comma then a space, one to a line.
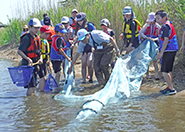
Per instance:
x=183, y=41
x=24, y=56
x=142, y=31
x=64, y=54
x=165, y=43
x=75, y=57
x=112, y=41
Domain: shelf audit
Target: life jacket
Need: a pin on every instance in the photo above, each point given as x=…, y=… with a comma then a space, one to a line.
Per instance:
x=172, y=43
x=49, y=39
x=55, y=53
x=148, y=31
x=127, y=31
x=33, y=51
x=45, y=49
x=73, y=25
x=109, y=32
x=86, y=26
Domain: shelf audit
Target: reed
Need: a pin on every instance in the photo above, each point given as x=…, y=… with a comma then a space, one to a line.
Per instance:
x=95, y=10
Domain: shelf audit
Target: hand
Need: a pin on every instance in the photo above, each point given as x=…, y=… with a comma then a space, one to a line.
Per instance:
x=159, y=55
x=121, y=35
x=40, y=61
x=92, y=49
x=118, y=54
x=69, y=59
x=30, y=62
x=69, y=70
x=72, y=46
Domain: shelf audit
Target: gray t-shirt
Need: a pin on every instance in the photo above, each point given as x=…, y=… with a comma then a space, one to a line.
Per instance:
x=98, y=36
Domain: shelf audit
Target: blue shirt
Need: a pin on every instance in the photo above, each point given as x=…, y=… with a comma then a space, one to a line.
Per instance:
x=98, y=36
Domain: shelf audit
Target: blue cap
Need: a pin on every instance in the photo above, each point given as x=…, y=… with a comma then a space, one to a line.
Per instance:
x=60, y=28
x=81, y=34
x=127, y=10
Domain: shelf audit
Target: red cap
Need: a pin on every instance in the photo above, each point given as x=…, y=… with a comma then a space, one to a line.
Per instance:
x=45, y=29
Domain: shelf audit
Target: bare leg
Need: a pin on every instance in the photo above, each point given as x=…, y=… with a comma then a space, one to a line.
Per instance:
x=42, y=82
x=30, y=91
x=90, y=66
x=57, y=77
x=168, y=79
x=156, y=68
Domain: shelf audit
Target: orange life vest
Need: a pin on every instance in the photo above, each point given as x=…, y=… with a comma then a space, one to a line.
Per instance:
x=33, y=51
x=73, y=25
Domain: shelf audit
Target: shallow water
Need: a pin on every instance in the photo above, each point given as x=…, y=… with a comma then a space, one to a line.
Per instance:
x=144, y=111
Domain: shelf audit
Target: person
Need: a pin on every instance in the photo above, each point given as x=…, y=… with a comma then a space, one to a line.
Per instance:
x=58, y=47
x=42, y=21
x=87, y=55
x=103, y=54
x=72, y=19
x=25, y=29
x=168, y=48
x=29, y=50
x=130, y=29
x=151, y=30
x=104, y=23
x=47, y=21
x=45, y=50
x=183, y=41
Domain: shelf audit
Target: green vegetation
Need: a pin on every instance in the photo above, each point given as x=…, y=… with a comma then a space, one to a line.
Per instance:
x=95, y=10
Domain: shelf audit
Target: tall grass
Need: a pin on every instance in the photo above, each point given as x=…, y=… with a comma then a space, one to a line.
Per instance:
x=95, y=10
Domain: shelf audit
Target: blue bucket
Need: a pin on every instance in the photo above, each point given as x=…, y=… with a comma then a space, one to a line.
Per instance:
x=21, y=75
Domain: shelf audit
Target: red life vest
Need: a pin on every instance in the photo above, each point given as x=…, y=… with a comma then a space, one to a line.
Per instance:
x=73, y=25
x=155, y=32
x=109, y=31
x=49, y=39
x=172, y=42
x=55, y=37
x=33, y=50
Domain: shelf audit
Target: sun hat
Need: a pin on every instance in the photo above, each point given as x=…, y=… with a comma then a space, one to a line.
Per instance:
x=60, y=28
x=47, y=20
x=35, y=22
x=25, y=26
x=81, y=34
x=80, y=16
x=45, y=29
x=151, y=17
x=105, y=22
x=127, y=10
x=75, y=10
x=65, y=19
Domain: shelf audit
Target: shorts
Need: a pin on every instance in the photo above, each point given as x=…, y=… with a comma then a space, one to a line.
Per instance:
x=42, y=71
x=167, y=61
x=33, y=82
x=56, y=65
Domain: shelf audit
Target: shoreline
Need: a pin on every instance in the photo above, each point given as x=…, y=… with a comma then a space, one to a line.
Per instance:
x=9, y=51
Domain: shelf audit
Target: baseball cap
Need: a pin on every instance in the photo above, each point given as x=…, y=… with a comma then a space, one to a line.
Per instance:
x=151, y=17
x=80, y=16
x=35, y=22
x=60, y=28
x=105, y=22
x=47, y=20
x=81, y=34
x=127, y=10
x=75, y=10
x=45, y=29
x=65, y=19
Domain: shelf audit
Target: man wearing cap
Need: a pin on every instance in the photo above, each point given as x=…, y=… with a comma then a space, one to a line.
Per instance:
x=103, y=53
x=45, y=50
x=46, y=21
x=58, y=49
x=29, y=50
x=151, y=30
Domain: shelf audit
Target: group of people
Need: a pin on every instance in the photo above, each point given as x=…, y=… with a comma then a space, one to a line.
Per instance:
x=96, y=47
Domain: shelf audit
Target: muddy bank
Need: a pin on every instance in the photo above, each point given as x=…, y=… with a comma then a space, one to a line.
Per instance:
x=9, y=51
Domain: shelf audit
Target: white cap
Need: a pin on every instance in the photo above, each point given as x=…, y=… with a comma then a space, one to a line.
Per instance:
x=35, y=22
x=151, y=17
x=127, y=10
x=65, y=19
x=105, y=22
x=75, y=10
x=81, y=34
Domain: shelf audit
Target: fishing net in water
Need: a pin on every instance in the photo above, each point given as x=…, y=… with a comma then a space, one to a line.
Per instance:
x=21, y=76
x=51, y=84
